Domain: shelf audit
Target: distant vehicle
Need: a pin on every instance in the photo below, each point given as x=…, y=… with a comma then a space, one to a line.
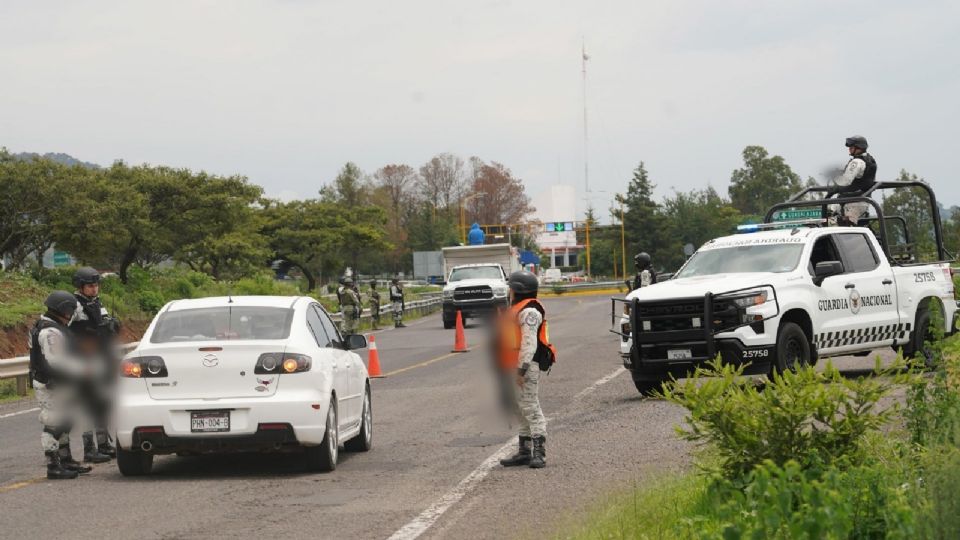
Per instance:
x=247, y=373
x=552, y=275
x=476, y=280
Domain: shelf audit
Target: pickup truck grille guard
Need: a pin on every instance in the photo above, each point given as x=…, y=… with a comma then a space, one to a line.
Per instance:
x=671, y=322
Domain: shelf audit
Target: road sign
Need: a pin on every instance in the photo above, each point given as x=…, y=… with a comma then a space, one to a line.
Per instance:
x=793, y=215
x=61, y=258
x=559, y=227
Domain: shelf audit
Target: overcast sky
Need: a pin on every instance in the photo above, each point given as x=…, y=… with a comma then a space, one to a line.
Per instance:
x=287, y=91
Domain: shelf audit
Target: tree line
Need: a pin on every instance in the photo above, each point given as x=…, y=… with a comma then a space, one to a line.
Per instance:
x=120, y=216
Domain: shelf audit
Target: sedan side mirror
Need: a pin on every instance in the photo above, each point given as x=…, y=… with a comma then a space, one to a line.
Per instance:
x=355, y=341
x=825, y=269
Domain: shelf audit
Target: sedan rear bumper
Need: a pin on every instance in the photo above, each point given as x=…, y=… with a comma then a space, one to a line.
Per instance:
x=305, y=411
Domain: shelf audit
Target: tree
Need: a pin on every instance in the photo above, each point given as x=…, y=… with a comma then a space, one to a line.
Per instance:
x=641, y=214
x=762, y=182
x=348, y=187
x=693, y=218
x=504, y=200
x=395, y=192
x=442, y=181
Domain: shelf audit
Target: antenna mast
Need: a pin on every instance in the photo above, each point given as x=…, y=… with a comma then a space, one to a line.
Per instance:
x=586, y=157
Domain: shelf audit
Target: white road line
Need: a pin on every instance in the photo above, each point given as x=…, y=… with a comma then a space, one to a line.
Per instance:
x=428, y=517
x=598, y=384
x=8, y=415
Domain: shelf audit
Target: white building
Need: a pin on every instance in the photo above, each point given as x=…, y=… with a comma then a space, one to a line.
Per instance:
x=556, y=209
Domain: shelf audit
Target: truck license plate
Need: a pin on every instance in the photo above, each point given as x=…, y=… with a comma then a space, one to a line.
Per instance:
x=679, y=354
x=209, y=421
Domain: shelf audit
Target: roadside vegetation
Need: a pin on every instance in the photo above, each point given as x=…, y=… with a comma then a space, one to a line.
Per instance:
x=811, y=455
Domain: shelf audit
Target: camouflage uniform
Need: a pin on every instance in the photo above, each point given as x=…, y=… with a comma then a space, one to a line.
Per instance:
x=532, y=421
x=396, y=298
x=350, y=309
x=374, y=305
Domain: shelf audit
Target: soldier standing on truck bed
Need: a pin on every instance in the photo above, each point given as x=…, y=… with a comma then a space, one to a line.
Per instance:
x=858, y=176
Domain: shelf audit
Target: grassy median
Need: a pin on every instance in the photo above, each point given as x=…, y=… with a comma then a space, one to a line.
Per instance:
x=808, y=455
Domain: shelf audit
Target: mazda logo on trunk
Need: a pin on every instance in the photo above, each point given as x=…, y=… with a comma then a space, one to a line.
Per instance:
x=210, y=360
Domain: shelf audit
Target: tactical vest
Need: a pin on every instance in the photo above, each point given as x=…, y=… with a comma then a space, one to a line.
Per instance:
x=510, y=336
x=40, y=369
x=866, y=181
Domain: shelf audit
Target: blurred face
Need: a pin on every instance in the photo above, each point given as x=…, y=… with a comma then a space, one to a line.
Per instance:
x=90, y=290
x=853, y=150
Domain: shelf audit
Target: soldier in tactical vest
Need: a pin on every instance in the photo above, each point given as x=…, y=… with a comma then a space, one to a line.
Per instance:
x=396, y=299
x=95, y=331
x=55, y=370
x=349, y=306
x=374, y=305
x=858, y=176
x=645, y=274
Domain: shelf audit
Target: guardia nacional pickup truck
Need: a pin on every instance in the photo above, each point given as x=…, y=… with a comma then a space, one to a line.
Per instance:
x=790, y=293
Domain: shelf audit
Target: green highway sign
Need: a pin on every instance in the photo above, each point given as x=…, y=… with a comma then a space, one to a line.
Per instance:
x=61, y=258
x=793, y=215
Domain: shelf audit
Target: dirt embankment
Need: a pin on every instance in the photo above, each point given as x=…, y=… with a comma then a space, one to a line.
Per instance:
x=13, y=341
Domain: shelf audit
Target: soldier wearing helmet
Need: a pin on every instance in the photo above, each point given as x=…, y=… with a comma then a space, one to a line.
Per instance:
x=524, y=353
x=858, y=176
x=55, y=369
x=397, y=302
x=645, y=274
x=349, y=305
x=374, y=305
x=96, y=333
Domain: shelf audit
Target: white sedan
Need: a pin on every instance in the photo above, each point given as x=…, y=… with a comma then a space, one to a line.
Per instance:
x=247, y=373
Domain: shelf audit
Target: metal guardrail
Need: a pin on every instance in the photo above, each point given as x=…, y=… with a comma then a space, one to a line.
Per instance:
x=581, y=286
x=19, y=367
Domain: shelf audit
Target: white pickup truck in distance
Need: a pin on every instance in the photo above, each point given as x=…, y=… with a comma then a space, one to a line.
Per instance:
x=780, y=298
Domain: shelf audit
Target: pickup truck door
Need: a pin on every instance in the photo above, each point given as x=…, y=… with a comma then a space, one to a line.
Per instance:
x=873, y=295
x=846, y=323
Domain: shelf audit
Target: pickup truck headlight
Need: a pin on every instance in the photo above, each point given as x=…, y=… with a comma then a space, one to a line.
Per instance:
x=755, y=299
x=500, y=291
x=448, y=294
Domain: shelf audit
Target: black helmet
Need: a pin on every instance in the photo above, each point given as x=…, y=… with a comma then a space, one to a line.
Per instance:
x=857, y=141
x=642, y=259
x=61, y=302
x=373, y=283
x=347, y=280
x=85, y=276
x=524, y=283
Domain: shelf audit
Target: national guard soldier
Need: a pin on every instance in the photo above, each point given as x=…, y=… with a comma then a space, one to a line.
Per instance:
x=349, y=306
x=95, y=332
x=55, y=370
x=525, y=353
x=374, y=305
x=396, y=299
x=645, y=274
x=858, y=176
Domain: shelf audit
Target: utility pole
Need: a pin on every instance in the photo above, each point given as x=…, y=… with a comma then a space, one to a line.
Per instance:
x=623, y=242
x=588, y=244
x=586, y=157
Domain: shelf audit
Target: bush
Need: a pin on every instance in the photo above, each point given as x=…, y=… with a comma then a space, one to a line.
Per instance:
x=817, y=419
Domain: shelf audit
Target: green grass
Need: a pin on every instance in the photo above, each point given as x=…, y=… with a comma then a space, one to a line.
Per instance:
x=8, y=391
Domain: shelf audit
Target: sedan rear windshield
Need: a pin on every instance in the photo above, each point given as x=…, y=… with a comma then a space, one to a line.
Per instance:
x=476, y=272
x=223, y=323
x=742, y=259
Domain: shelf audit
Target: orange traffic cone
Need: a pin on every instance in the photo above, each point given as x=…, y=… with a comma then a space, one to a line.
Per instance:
x=373, y=360
x=460, y=342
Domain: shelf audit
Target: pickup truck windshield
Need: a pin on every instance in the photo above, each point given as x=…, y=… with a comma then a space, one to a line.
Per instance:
x=475, y=272
x=742, y=259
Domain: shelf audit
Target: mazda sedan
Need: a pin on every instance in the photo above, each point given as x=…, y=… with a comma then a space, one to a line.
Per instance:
x=243, y=373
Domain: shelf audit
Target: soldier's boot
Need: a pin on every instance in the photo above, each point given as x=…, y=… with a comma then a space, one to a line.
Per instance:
x=539, y=458
x=70, y=464
x=56, y=470
x=90, y=452
x=522, y=457
x=104, y=445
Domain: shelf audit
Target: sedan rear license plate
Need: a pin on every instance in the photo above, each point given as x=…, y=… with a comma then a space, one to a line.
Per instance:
x=679, y=354
x=209, y=421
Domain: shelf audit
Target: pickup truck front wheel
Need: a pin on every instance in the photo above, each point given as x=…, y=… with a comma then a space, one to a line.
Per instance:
x=921, y=339
x=449, y=323
x=793, y=348
x=645, y=386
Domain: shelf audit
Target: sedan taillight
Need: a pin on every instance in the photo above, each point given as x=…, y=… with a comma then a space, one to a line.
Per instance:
x=274, y=363
x=143, y=366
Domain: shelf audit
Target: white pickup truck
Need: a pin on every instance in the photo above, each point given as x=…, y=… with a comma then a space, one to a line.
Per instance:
x=780, y=298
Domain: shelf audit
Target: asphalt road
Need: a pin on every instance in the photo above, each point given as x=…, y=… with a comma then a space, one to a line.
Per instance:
x=432, y=472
